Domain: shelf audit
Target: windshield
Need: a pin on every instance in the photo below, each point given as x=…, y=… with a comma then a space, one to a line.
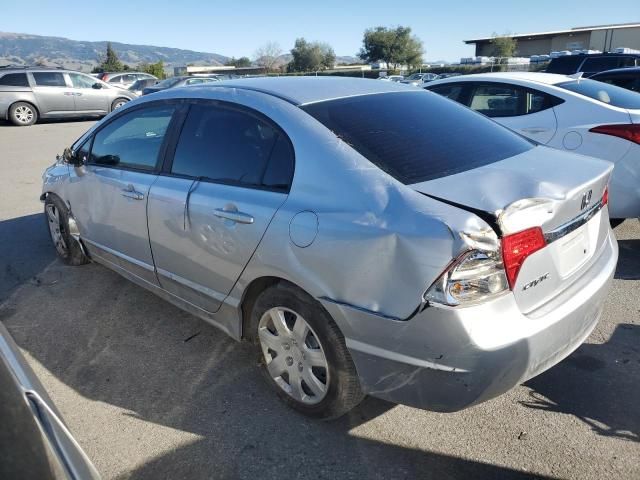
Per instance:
x=604, y=92
x=430, y=137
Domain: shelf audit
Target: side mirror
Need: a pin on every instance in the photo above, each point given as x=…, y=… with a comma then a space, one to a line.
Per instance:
x=97, y=86
x=71, y=157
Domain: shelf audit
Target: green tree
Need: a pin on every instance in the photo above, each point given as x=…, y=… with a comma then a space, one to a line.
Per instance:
x=311, y=56
x=110, y=62
x=394, y=46
x=241, y=62
x=155, y=69
x=503, y=46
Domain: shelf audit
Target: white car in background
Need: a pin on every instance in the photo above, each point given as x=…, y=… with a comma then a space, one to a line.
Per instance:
x=564, y=112
x=392, y=78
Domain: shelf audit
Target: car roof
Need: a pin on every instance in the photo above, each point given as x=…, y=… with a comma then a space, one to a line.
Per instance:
x=304, y=90
x=615, y=71
x=537, y=77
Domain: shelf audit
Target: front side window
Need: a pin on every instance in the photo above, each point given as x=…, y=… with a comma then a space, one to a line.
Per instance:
x=565, y=65
x=81, y=81
x=603, y=92
x=452, y=91
x=49, y=79
x=116, y=79
x=14, y=80
x=428, y=137
x=233, y=146
x=132, y=140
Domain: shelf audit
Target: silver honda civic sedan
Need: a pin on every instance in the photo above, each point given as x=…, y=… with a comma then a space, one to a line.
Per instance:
x=365, y=237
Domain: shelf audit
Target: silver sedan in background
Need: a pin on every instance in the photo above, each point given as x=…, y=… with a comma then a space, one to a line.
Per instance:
x=436, y=260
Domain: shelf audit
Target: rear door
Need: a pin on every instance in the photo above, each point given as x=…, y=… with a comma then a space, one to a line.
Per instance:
x=230, y=173
x=528, y=112
x=87, y=98
x=108, y=195
x=53, y=94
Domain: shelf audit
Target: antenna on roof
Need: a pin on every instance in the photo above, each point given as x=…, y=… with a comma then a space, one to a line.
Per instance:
x=577, y=75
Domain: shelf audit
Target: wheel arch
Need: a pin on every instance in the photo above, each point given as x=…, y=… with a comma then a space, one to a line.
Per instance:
x=254, y=289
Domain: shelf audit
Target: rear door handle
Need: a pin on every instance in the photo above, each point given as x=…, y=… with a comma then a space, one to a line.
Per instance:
x=130, y=192
x=234, y=216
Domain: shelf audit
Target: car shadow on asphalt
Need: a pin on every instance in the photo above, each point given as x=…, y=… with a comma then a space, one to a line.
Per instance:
x=628, y=260
x=597, y=384
x=113, y=342
x=26, y=251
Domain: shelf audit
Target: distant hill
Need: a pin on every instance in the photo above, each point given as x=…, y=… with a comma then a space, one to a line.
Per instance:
x=26, y=49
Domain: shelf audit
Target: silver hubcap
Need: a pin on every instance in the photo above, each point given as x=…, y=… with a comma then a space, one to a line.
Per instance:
x=119, y=104
x=55, y=228
x=23, y=114
x=293, y=355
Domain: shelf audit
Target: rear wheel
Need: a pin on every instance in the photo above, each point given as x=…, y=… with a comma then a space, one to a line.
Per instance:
x=57, y=217
x=118, y=102
x=304, y=354
x=23, y=114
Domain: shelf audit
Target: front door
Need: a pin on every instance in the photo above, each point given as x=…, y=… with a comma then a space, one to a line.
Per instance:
x=87, y=98
x=53, y=94
x=230, y=173
x=109, y=194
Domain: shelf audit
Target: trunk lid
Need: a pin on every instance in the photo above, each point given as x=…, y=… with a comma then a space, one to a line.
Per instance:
x=542, y=187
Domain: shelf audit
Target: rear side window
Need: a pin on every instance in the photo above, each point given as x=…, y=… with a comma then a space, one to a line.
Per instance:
x=233, y=146
x=429, y=137
x=14, y=80
x=599, y=64
x=132, y=140
x=603, y=92
x=49, y=79
x=565, y=65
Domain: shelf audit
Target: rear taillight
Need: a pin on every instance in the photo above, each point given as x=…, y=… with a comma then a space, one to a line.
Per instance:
x=605, y=196
x=517, y=247
x=629, y=132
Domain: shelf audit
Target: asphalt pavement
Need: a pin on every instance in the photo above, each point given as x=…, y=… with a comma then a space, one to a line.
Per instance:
x=151, y=392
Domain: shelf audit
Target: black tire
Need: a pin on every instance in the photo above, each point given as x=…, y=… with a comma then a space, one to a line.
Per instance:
x=68, y=249
x=614, y=222
x=118, y=102
x=23, y=114
x=343, y=386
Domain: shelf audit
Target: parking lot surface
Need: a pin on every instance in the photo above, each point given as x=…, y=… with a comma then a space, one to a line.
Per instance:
x=151, y=392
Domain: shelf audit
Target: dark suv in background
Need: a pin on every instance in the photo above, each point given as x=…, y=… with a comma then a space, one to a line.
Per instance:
x=590, y=64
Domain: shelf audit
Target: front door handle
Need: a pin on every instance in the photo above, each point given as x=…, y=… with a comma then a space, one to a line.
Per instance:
x=234, y=216
x=130, y=192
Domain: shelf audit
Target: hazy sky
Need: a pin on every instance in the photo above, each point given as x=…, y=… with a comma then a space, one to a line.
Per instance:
x=237, y=28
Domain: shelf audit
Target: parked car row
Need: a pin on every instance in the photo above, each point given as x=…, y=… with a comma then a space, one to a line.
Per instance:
x=573, y=114
x=32, y=93
x=367, y=238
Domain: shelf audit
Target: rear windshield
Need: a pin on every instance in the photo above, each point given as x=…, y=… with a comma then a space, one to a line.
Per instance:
x=604, y=92
x=169, y=82
x=565, y=65
x=417, y=136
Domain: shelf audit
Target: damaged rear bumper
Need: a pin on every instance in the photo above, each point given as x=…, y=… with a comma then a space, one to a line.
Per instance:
x=447, y=359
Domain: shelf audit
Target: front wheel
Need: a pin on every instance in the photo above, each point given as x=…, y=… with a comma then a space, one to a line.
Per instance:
x=118, y=102
x=305, y=358
x=57, y=217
